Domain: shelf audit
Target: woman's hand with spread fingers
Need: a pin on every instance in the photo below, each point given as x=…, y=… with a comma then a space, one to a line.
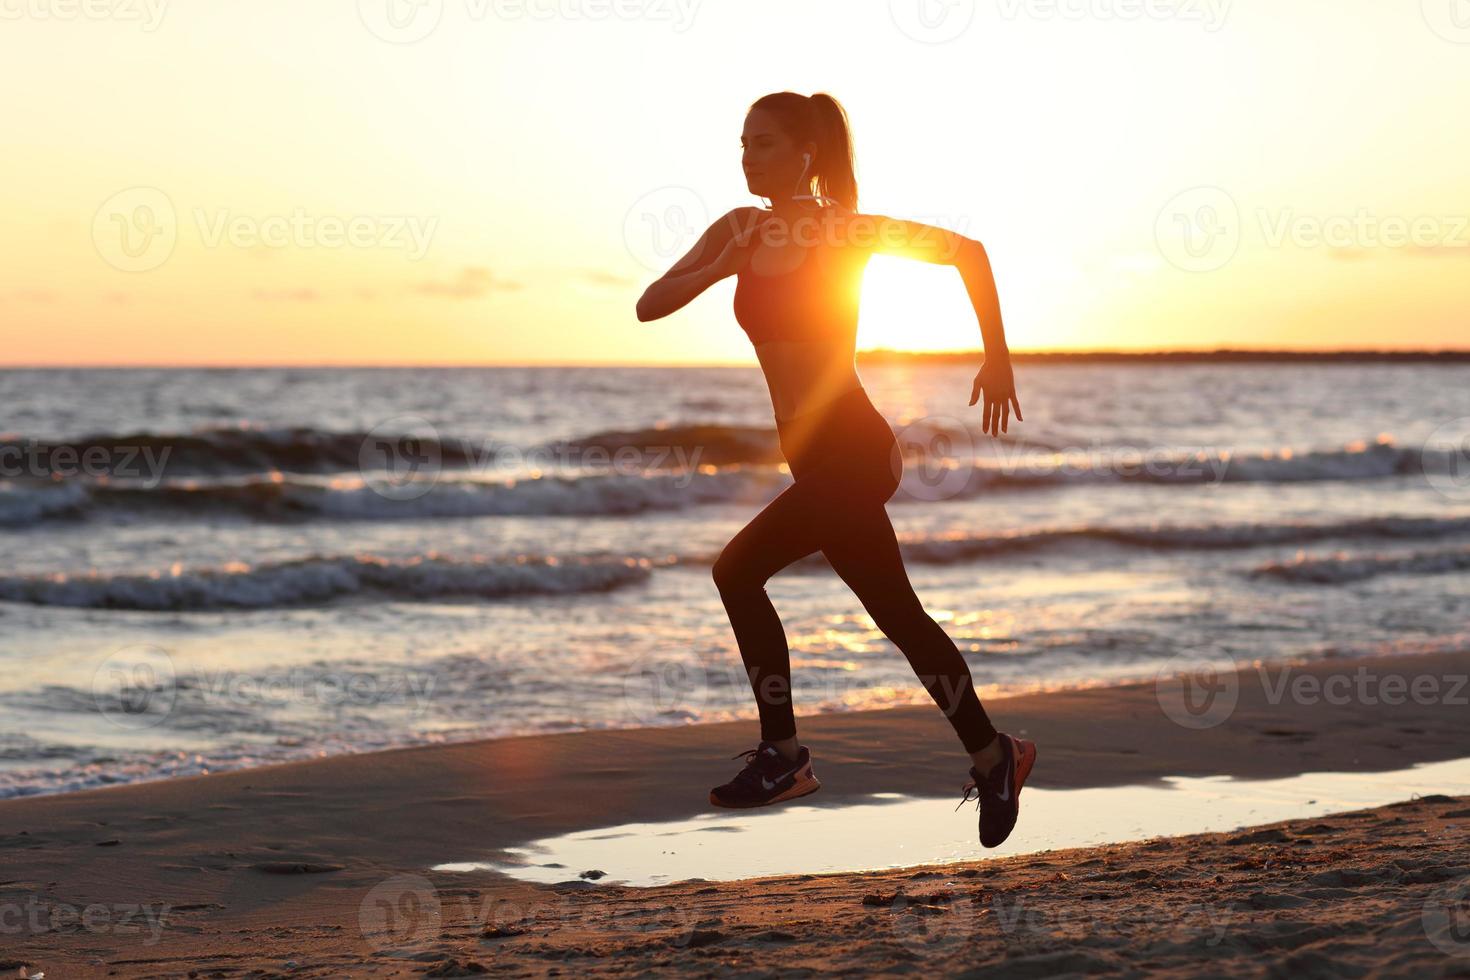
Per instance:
x=998, y=384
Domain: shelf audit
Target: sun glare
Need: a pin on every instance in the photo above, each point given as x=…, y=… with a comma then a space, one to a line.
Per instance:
x=910, y=305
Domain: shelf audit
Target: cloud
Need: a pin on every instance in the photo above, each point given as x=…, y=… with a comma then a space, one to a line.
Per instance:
x=31, y=296
x=286, y=295
x=604, y=278
x=473, y=282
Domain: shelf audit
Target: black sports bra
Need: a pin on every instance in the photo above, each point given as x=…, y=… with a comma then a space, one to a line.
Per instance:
x=815, y=300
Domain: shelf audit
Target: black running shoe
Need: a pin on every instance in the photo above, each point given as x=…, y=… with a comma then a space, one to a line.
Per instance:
x=999, y=793
x=768, y=777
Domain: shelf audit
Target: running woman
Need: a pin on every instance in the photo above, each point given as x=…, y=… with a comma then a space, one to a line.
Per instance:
x=798, y=266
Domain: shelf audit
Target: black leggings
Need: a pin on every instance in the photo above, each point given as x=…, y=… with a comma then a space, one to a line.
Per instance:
x=847, y=464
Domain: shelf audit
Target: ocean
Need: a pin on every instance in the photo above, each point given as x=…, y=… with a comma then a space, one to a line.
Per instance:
x=214, y=569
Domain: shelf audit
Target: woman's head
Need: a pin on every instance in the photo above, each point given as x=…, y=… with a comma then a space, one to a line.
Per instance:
x=779, y=129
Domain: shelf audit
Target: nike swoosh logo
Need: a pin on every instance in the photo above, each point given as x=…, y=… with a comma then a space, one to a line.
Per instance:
x=767, y=785
x=1005, y=796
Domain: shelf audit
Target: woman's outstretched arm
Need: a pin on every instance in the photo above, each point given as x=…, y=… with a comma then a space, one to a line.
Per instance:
x=929, y=243
x=974, y=266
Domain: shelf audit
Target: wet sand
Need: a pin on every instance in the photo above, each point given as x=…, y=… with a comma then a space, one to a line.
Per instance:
x=322, y=868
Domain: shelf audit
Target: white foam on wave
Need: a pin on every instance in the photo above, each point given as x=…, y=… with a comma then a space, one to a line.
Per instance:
x=316, y=580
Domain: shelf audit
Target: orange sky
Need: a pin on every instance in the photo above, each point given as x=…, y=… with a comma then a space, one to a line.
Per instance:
x=469, y=181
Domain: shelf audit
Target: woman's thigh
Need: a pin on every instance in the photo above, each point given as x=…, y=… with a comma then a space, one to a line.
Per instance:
x=865, y=554
x=786, y=529
x=830, y=509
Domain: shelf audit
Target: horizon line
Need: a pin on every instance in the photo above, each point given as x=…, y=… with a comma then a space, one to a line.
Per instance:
x=871, y=353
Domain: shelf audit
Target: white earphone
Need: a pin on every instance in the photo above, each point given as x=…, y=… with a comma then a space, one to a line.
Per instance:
x=806, y=163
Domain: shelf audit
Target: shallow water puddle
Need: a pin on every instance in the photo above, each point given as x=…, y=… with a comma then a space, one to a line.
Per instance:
x=889, y=830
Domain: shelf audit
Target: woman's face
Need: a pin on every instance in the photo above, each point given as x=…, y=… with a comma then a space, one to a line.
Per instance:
x=771, y=160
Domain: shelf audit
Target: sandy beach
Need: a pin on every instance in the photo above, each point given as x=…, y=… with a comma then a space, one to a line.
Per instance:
x=323, y=868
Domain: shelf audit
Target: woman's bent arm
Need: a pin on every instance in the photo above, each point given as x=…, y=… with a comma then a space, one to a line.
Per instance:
x=670, y=293
x=698, y=269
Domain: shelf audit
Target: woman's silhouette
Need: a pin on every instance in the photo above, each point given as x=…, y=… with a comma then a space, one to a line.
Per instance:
x=799, y=266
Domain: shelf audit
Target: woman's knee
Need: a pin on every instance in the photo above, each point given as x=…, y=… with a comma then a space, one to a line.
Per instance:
x=732, y=573
x=903, y=619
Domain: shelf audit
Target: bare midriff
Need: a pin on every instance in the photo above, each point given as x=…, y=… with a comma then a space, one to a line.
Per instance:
x=804, y=375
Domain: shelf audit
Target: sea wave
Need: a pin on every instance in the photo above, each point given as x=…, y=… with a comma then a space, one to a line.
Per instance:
x=1342, y=567
x=235, y=450
x=355, y=498
x=648, y=485
x=245, y=450
x=962, y=547
x=959, y=547
x=1360, y=460
x=322, y=579
x=700, y=445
